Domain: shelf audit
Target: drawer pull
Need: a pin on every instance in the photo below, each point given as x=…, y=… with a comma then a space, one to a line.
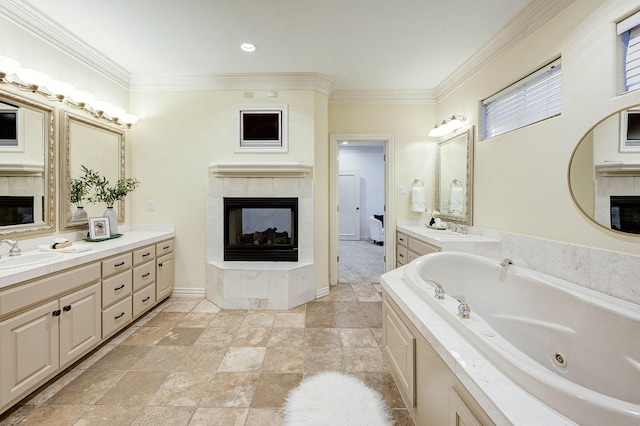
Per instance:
x=166, y=247
x=56, y=313
x=401, y=239
x=146, y=254
x=117, y=265
x=401, y=255
x=119, y=288
x=67, y=308
x=146, y=299
x=118, y=316
x=146, y=275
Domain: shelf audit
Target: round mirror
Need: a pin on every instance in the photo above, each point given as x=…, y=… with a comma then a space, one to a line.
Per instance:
x=604, y=172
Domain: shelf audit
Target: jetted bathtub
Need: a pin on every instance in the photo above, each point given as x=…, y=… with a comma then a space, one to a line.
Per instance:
x=575, y=349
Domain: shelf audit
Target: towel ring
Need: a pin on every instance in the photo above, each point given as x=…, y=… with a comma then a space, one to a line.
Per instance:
x=415, y=181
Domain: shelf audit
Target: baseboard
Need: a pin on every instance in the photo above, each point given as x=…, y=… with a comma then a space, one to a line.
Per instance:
x=322, y=292
x=193, y=293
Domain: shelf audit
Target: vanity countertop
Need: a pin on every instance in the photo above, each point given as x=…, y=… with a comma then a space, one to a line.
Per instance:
x=438, y=237
x=99, y=250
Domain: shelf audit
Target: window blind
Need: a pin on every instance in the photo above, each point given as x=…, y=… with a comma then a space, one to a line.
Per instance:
x=631, y=42
x=532, y=99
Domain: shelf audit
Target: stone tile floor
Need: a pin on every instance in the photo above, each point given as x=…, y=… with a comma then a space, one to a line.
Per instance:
x=190, y=363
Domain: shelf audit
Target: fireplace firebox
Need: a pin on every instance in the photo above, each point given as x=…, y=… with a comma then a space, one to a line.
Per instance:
x=261, y=229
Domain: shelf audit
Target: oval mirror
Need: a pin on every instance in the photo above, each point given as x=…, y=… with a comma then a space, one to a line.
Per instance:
x=454, y=177
x=604, y=172
x=27, y=167
x=99, y=147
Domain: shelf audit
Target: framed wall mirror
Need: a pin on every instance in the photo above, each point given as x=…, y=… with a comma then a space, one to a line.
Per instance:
x=454, y=177
x=604, y=172
x=27, y=167
x=99, y=147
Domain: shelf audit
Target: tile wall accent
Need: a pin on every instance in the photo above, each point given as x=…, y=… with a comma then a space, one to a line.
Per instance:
x=612, y=273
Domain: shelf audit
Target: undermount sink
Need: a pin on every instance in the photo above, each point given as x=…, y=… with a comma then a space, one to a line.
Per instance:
x=27, y=259
x=444, y=234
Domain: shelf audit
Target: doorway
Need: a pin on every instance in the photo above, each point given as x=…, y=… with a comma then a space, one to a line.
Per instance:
x=361, y=163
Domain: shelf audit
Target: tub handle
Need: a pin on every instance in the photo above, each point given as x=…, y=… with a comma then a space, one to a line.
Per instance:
x=464, y=311
x=438, y=291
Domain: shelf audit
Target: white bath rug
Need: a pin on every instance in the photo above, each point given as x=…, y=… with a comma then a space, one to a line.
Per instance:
x=331, y=399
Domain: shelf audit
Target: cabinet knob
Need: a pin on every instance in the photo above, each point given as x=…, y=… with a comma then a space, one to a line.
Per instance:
x=160, y=265
x=56, y=313
x=67, y=308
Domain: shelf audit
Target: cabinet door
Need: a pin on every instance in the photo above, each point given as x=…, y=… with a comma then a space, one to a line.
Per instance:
x=164, y=276
x=29, y=350
x=398, y=348
x=459, y=413
x=80, y=323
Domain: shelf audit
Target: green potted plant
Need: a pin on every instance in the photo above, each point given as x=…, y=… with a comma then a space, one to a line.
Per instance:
x=104, y=192
x=78, y=190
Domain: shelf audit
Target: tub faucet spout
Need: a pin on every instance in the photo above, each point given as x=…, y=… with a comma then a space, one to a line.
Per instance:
x=14, y=250
x=506, y=262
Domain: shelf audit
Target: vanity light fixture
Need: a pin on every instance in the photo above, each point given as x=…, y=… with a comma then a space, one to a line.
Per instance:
x=8, y=66
x=58, y=89
x=32, y=80
x=447, y=126
x=38, y=82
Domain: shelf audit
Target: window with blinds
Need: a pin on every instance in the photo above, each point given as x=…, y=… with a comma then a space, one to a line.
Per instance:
x=629, y=32
x=532, y=99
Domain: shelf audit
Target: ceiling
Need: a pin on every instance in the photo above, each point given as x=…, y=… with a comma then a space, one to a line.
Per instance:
x=358, y=44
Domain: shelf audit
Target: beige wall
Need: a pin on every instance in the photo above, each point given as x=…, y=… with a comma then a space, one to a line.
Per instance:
x=415, y=153
x=181, y=133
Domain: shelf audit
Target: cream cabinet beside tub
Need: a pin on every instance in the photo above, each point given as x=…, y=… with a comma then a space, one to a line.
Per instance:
x=430, y=390
x=409, y=248
x=48, y=323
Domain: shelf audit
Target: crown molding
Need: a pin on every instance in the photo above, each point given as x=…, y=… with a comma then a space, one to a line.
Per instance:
x=32, y=19
x=237, y=81
x=340, y=96
x=526, y=22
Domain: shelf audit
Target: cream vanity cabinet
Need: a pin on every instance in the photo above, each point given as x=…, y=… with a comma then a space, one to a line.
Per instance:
x=45, y=325
x=164, y=269
x=409, y=248
x=430, y=390
x=49, y=322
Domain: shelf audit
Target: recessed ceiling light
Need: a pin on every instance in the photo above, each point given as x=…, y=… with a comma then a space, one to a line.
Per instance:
x=248, y=47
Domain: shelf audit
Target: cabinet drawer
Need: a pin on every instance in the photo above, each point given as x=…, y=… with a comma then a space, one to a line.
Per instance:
x=116, y=288
x=144, y=299
x=25, y=295
x=402, y=239
x=164, y=247
x=421, y=248
x=116, y=264
x=144, y=254
x=116, y=317
x=144, y=275
x=402, y=254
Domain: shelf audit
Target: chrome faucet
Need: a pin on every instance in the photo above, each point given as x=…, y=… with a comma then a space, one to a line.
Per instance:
x=14, y=250
x=506, y=263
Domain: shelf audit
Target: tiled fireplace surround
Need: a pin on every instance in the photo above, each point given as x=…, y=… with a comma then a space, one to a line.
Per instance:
x=259, y=285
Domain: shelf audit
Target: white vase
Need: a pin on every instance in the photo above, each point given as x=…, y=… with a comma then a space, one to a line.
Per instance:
x=79, y=214
x=113, y=220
